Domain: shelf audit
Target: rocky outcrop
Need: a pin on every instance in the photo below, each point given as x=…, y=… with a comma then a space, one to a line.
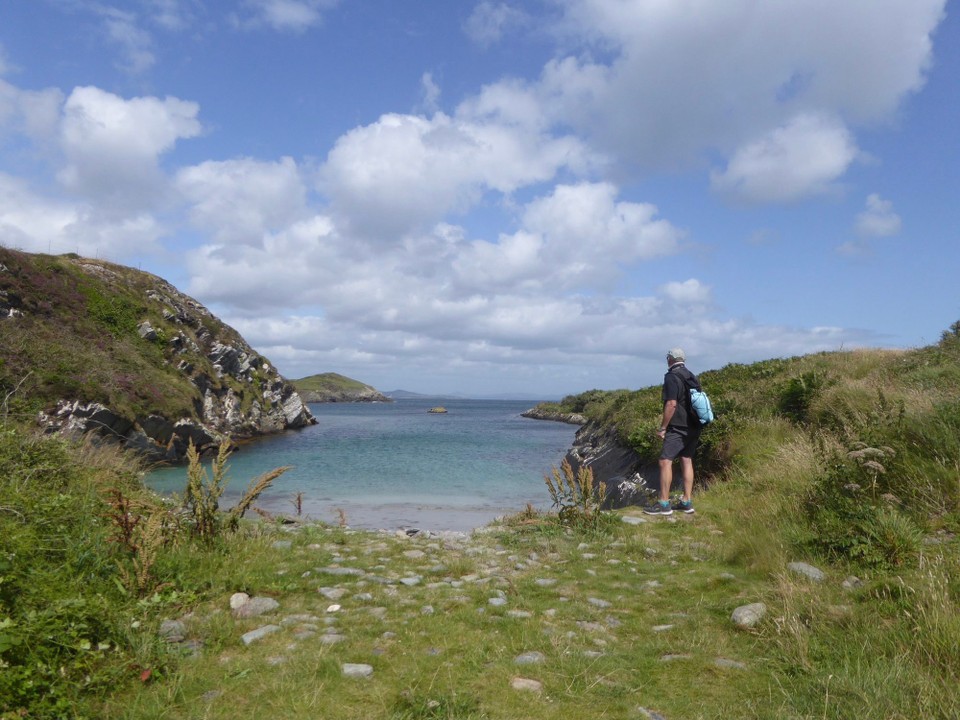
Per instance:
x=540, y=413
x=627, y=477
x=222, y=388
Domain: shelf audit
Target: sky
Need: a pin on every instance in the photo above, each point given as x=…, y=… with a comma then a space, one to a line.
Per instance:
x=530, y=198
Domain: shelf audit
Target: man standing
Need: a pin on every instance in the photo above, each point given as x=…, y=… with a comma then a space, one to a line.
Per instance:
x=680, y=432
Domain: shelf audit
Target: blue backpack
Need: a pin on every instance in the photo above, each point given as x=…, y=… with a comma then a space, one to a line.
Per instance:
x=699, y=401
x=701, y=406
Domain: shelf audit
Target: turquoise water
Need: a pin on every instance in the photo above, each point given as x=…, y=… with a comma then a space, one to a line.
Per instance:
x=394, y=465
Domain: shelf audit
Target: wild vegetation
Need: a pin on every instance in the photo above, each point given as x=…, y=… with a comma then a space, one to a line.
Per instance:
x=848, y=461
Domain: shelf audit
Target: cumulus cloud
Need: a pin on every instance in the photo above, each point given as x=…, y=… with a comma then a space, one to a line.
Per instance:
x=33, y=222
x=673, y=89
x=112, y=145
x=241, y=200
x=34, y=113
x=405, y=171
x=802, y=158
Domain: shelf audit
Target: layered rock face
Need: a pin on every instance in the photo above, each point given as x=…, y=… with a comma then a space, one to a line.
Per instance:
x=223, y=389
x=627, y=477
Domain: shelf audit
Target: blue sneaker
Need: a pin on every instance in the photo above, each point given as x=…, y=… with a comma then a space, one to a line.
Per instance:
x=661, y=507
x=684, y=506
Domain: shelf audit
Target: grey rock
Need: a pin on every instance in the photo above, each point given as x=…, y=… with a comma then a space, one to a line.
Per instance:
x=333, y=593
x=808, y=571
x=731, y=664
x=747, y=616
x=529, y=658
x=259, y=634
x=357, y=670
x=852, y=583
x=255, y=607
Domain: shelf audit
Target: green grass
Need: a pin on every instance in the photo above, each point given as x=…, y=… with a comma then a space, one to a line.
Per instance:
x=789, y=480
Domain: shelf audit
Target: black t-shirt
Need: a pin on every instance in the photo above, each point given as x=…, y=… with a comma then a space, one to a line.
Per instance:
x=675, y=388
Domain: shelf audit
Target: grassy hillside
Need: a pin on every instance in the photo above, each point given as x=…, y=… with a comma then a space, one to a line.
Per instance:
x=333, y=387
x=76, y=331
x=74, y=336
x=329, y=382
x=847, y=461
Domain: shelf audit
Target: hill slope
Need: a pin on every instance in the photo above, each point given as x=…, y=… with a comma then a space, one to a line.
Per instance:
x=332, y=387
x=90, y=345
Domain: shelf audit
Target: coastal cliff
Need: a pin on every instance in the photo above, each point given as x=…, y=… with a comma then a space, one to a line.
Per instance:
x=90, y=347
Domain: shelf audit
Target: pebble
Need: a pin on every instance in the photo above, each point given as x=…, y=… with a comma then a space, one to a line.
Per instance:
x=526, y=684
x=258, y=634
x=529, y=658
x=357, y=670
x=808, y=571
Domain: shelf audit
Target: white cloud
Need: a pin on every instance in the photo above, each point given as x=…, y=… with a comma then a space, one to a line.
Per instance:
x=35, y=223
x=406, y=172
x=136, y=43
x=489, y=22
x=660, y=85
x=688, y=292
x=34, y=113
x=431, y=93
x=878, y=219
x=112, y=145
x=803, y=158
x=288, y=15
x=241, y=200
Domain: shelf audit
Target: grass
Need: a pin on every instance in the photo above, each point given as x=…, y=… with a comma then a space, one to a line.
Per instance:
x=626, y=618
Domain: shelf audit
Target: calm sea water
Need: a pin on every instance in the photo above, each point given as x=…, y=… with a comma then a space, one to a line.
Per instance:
x=394, y=465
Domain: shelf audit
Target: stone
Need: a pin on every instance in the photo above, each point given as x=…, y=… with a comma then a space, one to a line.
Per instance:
x=526, y=685
x=333, y=593
x=808, y=571
x=852, y=583
x=258, y=634
x=731, y=664
x=357, y=670
x=633, y=520
x=529, y=658
x=255, y=606
x=238, y=600
x=598, y=602
x=747, y=616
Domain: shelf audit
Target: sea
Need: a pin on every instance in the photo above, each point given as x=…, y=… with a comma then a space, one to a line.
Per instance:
x=396, y=465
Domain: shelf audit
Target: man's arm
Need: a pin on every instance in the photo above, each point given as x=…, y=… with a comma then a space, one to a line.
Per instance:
x=669, y=408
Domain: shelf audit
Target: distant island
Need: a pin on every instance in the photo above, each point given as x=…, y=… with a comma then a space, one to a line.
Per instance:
x=332, y=387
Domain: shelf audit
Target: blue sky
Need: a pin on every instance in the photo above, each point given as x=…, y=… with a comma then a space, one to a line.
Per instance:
x=532, y=198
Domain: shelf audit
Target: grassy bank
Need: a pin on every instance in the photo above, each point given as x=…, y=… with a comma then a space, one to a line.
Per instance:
x=849, y=462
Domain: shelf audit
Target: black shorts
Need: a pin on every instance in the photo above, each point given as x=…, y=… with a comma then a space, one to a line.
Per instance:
x=682, y=443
